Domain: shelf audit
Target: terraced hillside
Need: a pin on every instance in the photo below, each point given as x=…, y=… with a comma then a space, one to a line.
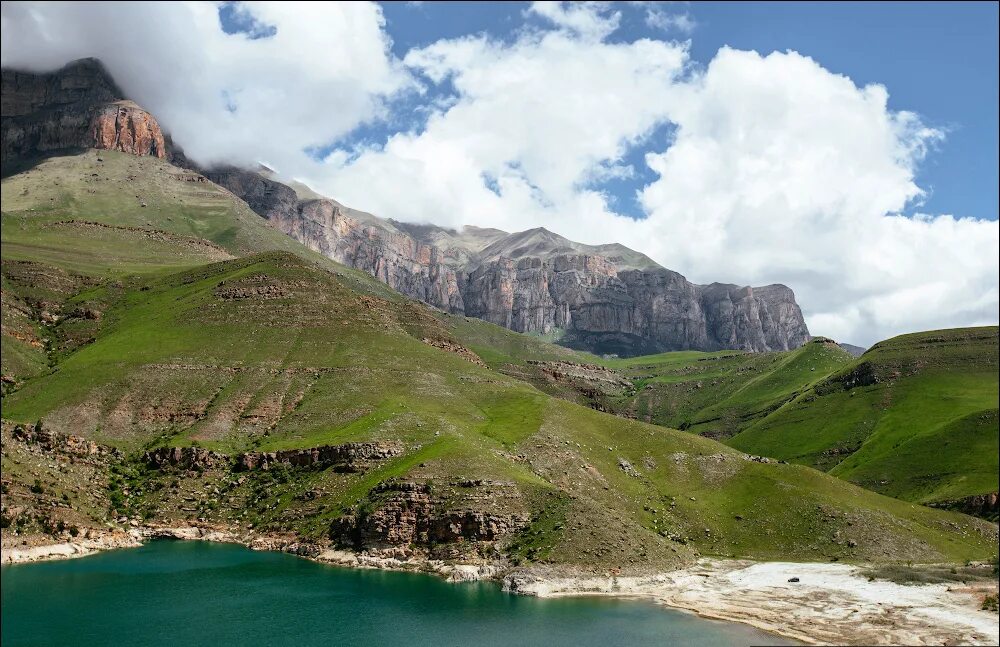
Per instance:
x=276, y=392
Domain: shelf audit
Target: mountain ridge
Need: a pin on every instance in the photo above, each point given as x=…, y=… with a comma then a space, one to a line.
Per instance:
x=603, y=299
x=606, y=299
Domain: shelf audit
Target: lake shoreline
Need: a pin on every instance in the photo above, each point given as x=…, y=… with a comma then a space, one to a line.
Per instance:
x=829, y=604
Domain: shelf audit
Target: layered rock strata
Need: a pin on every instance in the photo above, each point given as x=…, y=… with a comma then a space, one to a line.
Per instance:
x=349, y=457
x=591, y=298
x=605, y=299
x=407, y=513
x=78, y=106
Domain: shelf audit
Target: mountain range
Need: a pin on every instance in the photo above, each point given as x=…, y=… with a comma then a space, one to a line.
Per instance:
x=605, y=299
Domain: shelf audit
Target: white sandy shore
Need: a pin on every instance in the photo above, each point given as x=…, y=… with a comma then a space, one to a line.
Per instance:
x=79, y=547
x=830, y=604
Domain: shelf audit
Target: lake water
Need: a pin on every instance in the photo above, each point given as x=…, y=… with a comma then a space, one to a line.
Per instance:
x=199, y=593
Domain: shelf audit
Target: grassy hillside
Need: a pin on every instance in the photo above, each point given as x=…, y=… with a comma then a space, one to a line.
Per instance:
x=111, y=214
x=281, y=350
x=104, y=216
x=720, y=394
x=915, y=417
x=300, y=360
x=22, y=353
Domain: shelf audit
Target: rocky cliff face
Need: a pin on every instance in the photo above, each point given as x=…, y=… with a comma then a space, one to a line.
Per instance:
x=124, y=126
x=270, y=199
x=407, y=514
x=602, y=305
x=349, y=457
x=68, y=444
x=354, y=238
x=78, y=106
x=605, y=299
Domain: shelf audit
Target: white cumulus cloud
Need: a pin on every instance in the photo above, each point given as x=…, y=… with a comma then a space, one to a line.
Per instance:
x=532, y=124
x=589, y=20
x=782, y=171
x=777, y=170
x=224, y=97
x=662, y=15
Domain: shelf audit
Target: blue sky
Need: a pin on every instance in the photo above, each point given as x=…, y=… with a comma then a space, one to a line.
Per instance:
x=938, y=59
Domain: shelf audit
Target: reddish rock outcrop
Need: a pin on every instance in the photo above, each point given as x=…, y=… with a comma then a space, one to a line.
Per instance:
x=124, y=126
x=78, y=106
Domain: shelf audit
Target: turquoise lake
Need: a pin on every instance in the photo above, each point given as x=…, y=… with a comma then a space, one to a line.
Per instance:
x=199, y=593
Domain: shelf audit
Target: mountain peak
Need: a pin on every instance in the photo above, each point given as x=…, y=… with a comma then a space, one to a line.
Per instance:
x=76, y=106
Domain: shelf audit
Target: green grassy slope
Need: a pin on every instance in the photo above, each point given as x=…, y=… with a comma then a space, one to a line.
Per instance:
x=304, y=360
x=111, y=214
x=280, y=350
x=101, y=216
x=32, y=296
x=720, y=394
x=915, y=417
x=22, y=353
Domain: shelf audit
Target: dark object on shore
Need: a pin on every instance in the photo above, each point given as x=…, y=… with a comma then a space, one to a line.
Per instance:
x=793, y=579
